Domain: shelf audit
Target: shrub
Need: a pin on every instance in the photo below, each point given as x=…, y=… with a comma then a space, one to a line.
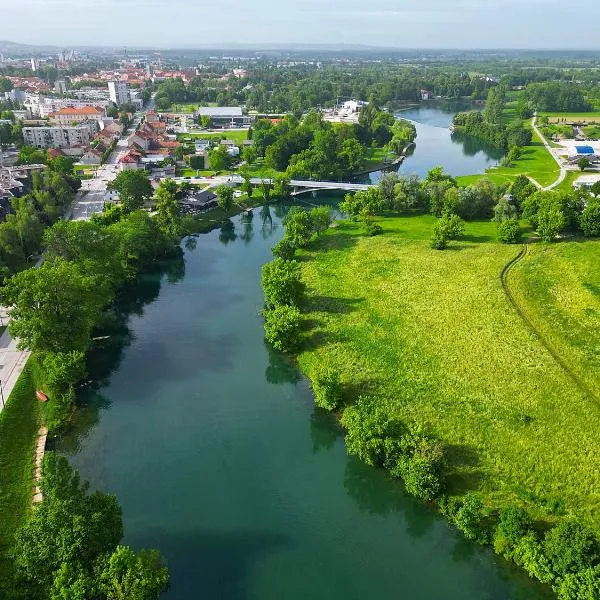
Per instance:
x=590, y=219
x=422, y=474
x=283, y=327
x=515, y=523
x=281, y=283
x=298, y=226
x=448, y=227
x=327, y=388
x=469, y=518
x=571, y=547
x=529, y=554
x=509, y=231
x=584, y=585
x=284, y=249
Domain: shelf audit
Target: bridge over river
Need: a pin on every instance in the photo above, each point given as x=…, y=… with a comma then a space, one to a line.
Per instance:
x=301, y=186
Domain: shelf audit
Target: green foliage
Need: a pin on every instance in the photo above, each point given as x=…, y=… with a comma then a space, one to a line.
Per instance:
x=370, y=201
x=225, y=197
x=557, y=96
x=550, y=218
x=133, y=187
x=590, y=218
x=196, y=161
x=571, y=547
x=284, y=249
x=327, y=388
x=55, y=306
x=219, y=159
x=469, y=518
x=298, y=226
x=583, y=585
x=281, y=187
x=509, y=231
x=125, y=574
x=448, y=227
x=281, y=283
x=583, y=163
x=168, y=210
x=283, y=327
x=515, y=523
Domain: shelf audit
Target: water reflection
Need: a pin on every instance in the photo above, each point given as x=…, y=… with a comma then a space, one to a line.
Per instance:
x=325, y=430
x=280, y=369
x=227, y=232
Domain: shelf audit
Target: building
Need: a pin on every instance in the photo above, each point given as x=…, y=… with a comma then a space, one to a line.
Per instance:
x=225, y=116
x=70, y=115
x=426, y=95
x=60, y=86
x=35, y=63
x=198, y=202
x=16, y=95
x=60, y=136
x=42, y=107
x=118, y=92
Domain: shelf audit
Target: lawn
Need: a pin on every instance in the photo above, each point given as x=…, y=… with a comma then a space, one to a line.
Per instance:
x=195, y=172
x=19, y=423
x=187, y=108
x=376, y=157
x=237, y=135
x=432, y=335
x=560, y=287
x=586, y=117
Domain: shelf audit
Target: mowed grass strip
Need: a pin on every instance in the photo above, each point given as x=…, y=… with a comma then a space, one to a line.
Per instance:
x=432, y=335
x=19, y=423
x=558, y=285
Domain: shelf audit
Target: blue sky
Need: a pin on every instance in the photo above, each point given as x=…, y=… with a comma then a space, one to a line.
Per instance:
x=398, y=23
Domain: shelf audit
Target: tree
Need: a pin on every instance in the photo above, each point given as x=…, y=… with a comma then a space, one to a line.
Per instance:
x=281, y=283
x=196, y=161
x=448, y=227
x=283, y=327
x=583, y=163
x=550, y=217
x=469, y=518
x=595, y=188
x=168, y=209
x=284, y=249
x=26, y=223
x=369, y=201
x=247, y=186
x=509, y=231
x=327, y=388
x=205, y=122
x=321, y=218
x=571, y=547
x=590, y=218
x=387, y=185
x=134, y=189
x=281, y=187
x=225, y=197
x=54, y=306
x=515, y=523
x=219, y=159
x=298, y=226
x=127, y=575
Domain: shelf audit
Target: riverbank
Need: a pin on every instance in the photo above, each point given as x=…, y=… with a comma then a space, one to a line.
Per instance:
x=397, y=328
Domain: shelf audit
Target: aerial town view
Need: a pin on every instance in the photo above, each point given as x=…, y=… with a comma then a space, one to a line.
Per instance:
x=300, y=301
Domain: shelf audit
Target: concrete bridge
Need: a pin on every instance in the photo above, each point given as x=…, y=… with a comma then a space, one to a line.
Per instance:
x=301, y=186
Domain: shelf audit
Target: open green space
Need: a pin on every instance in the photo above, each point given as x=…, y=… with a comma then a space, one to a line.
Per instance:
x=195, y=173
x=434, y=339
x=559, y=286
x=237, y=135
x=590, y=117
x=19, y=423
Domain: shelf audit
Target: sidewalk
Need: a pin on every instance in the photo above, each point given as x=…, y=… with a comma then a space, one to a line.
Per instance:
x=12, y=362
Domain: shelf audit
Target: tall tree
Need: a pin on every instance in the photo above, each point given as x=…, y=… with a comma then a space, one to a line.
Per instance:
x=134, y=189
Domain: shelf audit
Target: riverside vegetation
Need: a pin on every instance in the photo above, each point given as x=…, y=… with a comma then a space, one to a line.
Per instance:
x=436, y=378
x=68, y=545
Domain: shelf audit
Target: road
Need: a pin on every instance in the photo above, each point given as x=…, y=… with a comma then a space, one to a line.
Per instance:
x=563, y=170
x=89, y=200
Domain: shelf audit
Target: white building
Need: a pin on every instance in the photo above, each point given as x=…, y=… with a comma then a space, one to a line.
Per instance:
x=60, y=136
x=119, y=92
x=42, y=107
x=70, y=115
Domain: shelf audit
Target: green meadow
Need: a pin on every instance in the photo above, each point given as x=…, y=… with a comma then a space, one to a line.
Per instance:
x=433, y=337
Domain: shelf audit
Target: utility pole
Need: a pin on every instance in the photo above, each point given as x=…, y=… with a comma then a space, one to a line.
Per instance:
x=2, y=394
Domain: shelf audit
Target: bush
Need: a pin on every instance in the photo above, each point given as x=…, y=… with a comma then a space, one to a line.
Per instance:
x=584, y=585
x=422, y=474
x=448, y=227
x=284, y=249
x=509, y=231
x=281, y=283
x=590, y=219
x=327, y=388
x=283, y=327
x=529, y=554
x=571, y=547
x=469, y=519
x=515, y=523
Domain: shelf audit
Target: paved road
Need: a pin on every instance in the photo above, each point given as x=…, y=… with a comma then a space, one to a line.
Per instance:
x=563, y=170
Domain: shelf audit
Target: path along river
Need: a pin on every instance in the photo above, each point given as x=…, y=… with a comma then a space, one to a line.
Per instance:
x=218, y=457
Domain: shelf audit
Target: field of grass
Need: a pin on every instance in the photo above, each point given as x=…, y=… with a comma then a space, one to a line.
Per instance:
x=433, y=336
x=237, y=135
x=19, y=423
x=586, y=117
x=559, y=285
x=376, y=157
x=194, y=172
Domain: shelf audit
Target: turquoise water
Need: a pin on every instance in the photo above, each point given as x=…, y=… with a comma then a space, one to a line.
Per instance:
x=437, y=146
x=218, y=457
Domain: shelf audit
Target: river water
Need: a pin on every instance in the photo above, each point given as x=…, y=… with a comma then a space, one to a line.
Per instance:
x=218, y=457
x=437, y=146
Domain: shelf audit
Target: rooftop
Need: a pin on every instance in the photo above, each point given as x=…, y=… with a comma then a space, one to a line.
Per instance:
x=220, y=111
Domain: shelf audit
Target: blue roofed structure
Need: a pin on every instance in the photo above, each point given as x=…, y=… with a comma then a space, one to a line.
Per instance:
x=584, y=150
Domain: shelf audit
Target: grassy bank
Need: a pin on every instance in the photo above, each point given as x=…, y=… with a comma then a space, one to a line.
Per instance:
x=19, y=423
x=433, y=336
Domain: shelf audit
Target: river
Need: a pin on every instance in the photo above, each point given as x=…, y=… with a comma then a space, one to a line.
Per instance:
x=218, y=457
x=437, y=146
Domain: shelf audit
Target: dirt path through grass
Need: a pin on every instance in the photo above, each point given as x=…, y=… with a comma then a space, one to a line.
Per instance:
x=529, y=323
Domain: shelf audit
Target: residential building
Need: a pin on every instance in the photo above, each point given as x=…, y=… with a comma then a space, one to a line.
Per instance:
x=60, y=86
x=70, y=115
x=60, y=136
x=119, y=92
x=426, y=95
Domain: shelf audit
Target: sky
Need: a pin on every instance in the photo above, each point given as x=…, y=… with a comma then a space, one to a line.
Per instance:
x=536, y=24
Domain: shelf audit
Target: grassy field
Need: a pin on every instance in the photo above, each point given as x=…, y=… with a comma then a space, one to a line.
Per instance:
x=586, y=117
x=560, y=287
x=433, y=336
x=237, y=135
x=19, y=423
x=195, y=172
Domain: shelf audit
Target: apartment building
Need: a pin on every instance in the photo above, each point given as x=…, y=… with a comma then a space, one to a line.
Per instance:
x=61, y=136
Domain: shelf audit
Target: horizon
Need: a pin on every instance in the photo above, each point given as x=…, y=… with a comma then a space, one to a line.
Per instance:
x=394, y=25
